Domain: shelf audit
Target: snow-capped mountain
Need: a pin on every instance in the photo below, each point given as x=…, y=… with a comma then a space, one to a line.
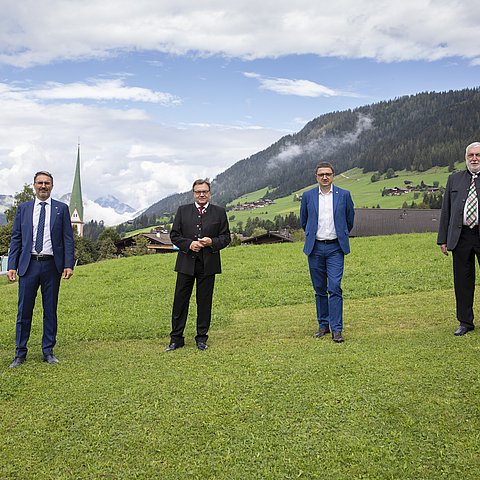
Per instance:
x=110, y=201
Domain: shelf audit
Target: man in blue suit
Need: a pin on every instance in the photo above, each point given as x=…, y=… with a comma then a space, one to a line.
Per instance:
x=41, y=252
x=326, y=215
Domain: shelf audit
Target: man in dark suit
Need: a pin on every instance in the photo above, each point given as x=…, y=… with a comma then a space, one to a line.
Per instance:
x=200, y=230
x=41, y=252
x=326, y=215
x=458, y=232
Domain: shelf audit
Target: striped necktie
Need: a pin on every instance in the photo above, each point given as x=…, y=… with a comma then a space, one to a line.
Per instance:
x=40, y=229
x=471, y=205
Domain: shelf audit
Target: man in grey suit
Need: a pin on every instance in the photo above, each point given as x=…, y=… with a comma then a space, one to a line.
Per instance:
x=200, y=230
x=459, y=233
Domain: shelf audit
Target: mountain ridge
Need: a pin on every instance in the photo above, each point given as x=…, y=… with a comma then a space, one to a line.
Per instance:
x=413, y=132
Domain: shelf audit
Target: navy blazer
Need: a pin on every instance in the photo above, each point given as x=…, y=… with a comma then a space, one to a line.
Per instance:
x=343, y=217
x=454, y=198
x=22, y=237
x=189, y=226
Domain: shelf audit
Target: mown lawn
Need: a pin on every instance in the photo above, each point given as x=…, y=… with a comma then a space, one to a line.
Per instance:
x=397, y=400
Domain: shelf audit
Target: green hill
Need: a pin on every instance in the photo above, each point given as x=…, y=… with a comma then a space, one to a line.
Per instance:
x=365, y=193
x=267, y=400
x=415, y=132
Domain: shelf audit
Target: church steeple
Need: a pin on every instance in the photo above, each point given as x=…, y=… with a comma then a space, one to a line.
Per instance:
x=76, y=202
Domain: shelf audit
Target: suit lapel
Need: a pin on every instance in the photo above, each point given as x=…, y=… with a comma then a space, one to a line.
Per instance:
x=336, y=197
x=29, y=223
x=316, y=193
x=53, y=214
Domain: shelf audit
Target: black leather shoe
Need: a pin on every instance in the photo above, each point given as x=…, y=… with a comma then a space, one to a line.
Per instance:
x=17, y=361
x=51, y=359
x=337, y=337
x=321, y=332
x=173, y=346
x=202, y=346
x=462, y=330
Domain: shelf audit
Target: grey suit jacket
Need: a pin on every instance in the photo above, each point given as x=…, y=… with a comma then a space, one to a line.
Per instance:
x=454, y=198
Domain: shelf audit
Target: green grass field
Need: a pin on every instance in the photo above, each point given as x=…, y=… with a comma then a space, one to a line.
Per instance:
x=397, y=400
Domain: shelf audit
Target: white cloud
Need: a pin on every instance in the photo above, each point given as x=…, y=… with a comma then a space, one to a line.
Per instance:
x=112, y=89
x=301, y=88
x=123, y=151
x=42, y=31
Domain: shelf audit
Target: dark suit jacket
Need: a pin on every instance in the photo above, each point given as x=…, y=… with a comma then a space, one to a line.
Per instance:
x=343, y=216
x=185, y=229
x=22, y=237
x=454, y=198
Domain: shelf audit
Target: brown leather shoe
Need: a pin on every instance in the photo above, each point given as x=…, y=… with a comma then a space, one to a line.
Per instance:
x=321, y=332
x=337, y=337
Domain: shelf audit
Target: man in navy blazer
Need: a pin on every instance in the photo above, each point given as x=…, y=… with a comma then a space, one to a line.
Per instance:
x=459, y=232
x=41, y=253
x=327, y=214
x=200, y=230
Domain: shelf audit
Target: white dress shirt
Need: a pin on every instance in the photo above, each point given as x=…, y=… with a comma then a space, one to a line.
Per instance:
x=47, y=241
x=326, y=225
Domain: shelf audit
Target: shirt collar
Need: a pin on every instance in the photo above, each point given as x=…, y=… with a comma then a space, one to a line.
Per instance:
x=204, y=206
x=328, y=193
x=48, y=201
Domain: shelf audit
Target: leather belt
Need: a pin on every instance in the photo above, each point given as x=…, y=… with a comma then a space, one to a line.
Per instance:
x=335, y=240
x=42, y=258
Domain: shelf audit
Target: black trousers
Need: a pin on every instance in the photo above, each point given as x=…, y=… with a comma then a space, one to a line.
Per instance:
x=181, y=301
x=464, y=254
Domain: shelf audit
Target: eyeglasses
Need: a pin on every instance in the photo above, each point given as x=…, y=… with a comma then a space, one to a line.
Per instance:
x=324, y=174
x=47, y=184
x=201, y=192
x=472, y=155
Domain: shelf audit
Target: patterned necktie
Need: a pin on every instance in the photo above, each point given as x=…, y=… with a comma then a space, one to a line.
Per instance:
x=40, y=229
x=471, y=205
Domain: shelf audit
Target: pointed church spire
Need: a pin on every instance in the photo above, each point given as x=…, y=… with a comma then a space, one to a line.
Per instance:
x=76, y=201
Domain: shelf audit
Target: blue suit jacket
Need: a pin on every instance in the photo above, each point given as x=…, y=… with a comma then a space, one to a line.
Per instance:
x=343, y=216
x=22, y=237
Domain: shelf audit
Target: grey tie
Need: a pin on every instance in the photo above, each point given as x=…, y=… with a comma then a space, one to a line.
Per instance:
x=40, y=229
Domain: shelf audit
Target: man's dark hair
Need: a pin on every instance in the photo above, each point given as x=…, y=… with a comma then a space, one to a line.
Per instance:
x=201, y=181
x=324, y=165
x=43, y=172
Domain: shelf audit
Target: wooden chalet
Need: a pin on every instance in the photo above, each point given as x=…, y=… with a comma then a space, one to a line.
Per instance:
x=269, y=237
x=157, y=242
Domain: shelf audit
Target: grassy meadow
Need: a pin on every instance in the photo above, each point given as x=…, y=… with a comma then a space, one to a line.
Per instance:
x=397, y=400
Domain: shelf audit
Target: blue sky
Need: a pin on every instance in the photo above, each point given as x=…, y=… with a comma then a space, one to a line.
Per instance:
x=163, y=92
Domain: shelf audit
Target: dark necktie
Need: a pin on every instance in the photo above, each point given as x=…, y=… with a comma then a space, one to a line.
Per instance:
x=40, y=229
x=471, y=207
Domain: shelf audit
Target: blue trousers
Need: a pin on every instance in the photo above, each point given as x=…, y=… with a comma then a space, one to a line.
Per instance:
x=46, y=276
x=326, y=271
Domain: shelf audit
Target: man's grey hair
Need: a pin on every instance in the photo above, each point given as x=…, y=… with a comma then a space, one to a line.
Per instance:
x=472, y=145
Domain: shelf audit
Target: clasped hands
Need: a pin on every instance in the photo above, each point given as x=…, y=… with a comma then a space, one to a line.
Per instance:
x=197, y=245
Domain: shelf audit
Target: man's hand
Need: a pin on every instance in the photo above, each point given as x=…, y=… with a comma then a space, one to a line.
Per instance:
x=11, y=275
x=205, y=241
x=67, y=273
x=443, y=248
x=196, y=246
